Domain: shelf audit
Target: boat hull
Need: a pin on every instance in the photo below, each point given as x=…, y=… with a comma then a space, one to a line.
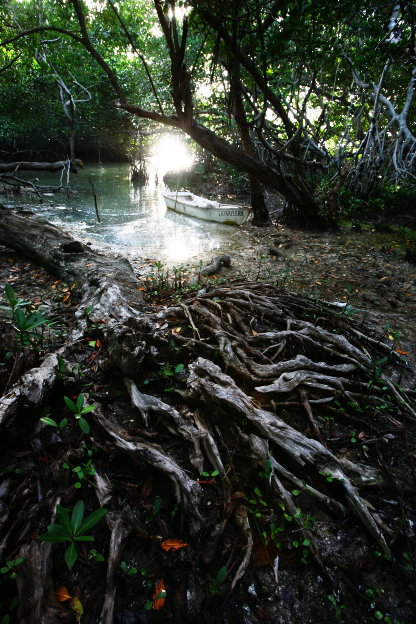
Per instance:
x=193, y=206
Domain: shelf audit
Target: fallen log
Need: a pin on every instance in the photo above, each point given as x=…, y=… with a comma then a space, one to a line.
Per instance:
x=108, y=285
x=215, y=265
x=23, y=165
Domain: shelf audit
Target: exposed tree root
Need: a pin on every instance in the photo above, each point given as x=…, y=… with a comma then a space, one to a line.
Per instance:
x=211, y=428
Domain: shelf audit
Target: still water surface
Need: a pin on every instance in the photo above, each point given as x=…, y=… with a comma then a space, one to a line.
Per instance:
x=134, y=218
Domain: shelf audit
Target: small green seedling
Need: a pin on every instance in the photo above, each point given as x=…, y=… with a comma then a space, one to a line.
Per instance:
x=82, y=472
x=214, y=473
x=338, y=608
x=168, y=370
x=24, y=321
x=130, y=570
x=79, y=409
x=93, y=554
x=72, y=529
x=14, y=602
x=256, y=504
x=266, y=473
x=219, y=579
x=51, y=422
x=9, y=567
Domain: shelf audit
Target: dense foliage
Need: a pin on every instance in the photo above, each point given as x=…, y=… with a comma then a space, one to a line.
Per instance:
x=305, y=97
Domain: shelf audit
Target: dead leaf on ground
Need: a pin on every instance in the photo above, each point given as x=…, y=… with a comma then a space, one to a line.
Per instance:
x=63, y=594
x=159, y=597
x=172, y=544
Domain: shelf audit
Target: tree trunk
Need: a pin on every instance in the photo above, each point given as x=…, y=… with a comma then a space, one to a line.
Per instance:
x=210, y=425
x=260, y=212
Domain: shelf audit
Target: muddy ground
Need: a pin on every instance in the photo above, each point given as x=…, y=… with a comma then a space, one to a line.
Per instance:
x=364, y=270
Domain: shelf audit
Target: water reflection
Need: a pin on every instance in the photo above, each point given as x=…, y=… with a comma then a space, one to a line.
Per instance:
x=134, y=218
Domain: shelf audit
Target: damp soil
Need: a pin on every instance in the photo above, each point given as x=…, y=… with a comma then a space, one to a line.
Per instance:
x=365, y=272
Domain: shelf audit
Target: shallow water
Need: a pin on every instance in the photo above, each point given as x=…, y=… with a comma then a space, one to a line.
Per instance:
x=134, y=218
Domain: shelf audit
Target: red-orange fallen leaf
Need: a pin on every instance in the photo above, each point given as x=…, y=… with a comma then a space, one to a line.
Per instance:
x=66, y=297
x=172, y=544
x=98, y=343
x=159, y=597
x=401, y=352
x=63, y=594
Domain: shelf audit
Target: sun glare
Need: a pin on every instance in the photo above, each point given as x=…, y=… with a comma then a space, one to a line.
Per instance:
x=171, y=154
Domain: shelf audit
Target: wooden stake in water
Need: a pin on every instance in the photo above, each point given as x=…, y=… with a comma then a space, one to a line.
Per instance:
x=95, y=200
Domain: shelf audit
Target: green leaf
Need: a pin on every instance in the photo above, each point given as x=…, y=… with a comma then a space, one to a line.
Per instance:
x=83, y=425
x=84, y=538
x=93, y=519
x=63, y=515
x=11, y=297
x=52, y=538
x=221, y=574
x=80, y=402
x=71, y=555
x=58, y=529
x=49, y=421
x=77, y=516
x=19, y=317
x=72, y=406
x=87, y=408
x=63, y=423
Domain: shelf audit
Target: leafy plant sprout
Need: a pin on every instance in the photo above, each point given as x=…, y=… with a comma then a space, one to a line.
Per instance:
x=24, y=320
x=95, y=555
x=338, y=608
x=79, y=409
x=219, y=579
x=129, y=570
x=72, y=529
x=81, y=471
x=9, y=567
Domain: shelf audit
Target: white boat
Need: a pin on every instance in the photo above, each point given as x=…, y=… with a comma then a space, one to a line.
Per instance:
x=193, y=206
